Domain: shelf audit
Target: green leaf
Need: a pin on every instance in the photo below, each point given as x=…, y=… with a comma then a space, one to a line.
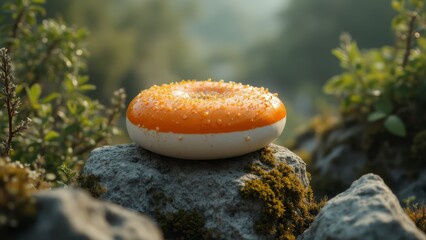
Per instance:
x=397, y=5
x=87, y=87
x=33, y=94
x=374, y=116
x=383, y=105
x=395, y=125
x=39, y=1
x=72, y=107
x=50, y=97
x=51, y=135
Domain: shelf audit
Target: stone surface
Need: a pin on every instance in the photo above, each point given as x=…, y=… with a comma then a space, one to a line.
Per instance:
x=140, y=180
x=70, y=214
x=339, y=156
x=367, y=210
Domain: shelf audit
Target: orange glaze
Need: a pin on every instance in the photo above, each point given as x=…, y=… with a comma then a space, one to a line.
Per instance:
x=191, y=107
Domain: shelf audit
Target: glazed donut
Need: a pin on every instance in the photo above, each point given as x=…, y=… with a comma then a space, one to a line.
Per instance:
x=205, y=119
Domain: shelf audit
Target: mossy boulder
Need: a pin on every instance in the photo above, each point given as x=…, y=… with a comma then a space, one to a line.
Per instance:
x=208, y=194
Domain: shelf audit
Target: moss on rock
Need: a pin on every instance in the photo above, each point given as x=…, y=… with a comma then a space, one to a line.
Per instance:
x=182, y=225
x=17, y=185
x=417, y=213
x=91, y=183
x=288, y=206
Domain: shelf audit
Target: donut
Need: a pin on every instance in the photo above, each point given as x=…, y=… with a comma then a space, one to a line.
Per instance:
x=201, y=120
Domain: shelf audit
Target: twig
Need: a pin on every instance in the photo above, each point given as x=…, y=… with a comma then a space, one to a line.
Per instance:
x=409, y=39
x=6, y=80
x=46, y=58
x=15, y=28
x=10, y=100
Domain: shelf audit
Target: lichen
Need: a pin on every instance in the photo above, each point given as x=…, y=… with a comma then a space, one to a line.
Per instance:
x=417, y=213
x=288, y=206
x=91, y=183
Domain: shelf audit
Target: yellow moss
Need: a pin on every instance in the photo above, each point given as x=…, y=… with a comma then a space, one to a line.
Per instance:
x=417, y=214
x=267, y=156
x=17, y=184
x=288, y=207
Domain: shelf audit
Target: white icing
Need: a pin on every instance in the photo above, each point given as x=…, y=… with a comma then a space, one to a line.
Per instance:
x=205, y=146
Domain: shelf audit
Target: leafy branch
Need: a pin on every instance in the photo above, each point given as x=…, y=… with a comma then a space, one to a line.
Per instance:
x=11, y=102
x=24, y=12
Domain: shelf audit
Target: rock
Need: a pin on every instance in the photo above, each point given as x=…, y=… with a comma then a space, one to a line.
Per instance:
x=346, y=151
x=367, y=210
x=70, y=214
x=415, y=189
x=146, y=182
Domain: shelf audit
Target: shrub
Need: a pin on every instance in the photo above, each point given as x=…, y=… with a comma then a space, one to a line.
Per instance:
x=388, y=84
x=49, y=62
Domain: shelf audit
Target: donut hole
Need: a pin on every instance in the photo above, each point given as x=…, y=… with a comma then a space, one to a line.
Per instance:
x=209, y=93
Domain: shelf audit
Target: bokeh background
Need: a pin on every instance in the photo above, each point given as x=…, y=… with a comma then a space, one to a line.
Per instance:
x=284, y=45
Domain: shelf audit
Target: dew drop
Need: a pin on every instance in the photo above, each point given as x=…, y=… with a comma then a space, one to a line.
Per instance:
x=184, y=117
x=180, y=138
x=206, y=113
x=219, y=121
x=157, y=129
x=209, y=121
x=238, y=114
x=247, y=138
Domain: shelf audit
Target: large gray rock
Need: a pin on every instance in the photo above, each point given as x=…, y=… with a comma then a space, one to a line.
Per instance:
x=367, y=210
x=70, y=214
x=140, y=180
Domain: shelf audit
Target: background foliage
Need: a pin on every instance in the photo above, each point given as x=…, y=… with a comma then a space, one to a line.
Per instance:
x=386, y=87
x=49, y=68
x=282, y=45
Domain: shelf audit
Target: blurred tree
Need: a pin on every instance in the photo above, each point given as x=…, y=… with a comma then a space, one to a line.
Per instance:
x=301, y=55
x=49, y=65
x=133, y=43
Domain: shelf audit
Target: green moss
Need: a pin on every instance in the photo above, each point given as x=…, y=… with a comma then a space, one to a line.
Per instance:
x=182, y=225
x=91, y=183
x=288, y=206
